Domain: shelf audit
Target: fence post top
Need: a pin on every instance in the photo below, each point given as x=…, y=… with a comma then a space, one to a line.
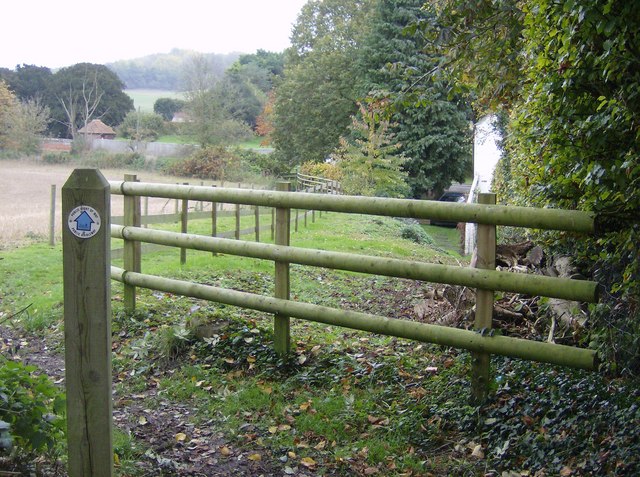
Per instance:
x=86, y=179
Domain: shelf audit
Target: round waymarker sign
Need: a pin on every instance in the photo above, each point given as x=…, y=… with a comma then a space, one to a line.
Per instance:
x=84, y=221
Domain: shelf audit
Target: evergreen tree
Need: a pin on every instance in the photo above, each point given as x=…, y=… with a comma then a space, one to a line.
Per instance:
x=433, y=133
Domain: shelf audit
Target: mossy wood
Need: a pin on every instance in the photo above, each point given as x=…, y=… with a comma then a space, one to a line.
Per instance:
x=464, y=339
x=550, y=219
x=131, y=253
x=578, y=290
x=282, y=322
x=485, y=260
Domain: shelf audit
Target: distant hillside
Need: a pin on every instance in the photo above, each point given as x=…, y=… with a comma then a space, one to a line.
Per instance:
x=165, y=70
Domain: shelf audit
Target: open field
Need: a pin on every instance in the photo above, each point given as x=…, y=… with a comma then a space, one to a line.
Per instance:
x=145, y=98
x=25, y=198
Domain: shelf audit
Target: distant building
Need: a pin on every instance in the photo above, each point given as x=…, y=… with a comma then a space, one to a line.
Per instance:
x=96, y=129
x=180, y=117
x=486, y=154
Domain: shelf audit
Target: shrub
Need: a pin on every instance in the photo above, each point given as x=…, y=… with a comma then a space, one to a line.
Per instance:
x=56, y=157
x=30, y=410
x=322, y=169
x=414, y=232
x=206, y=163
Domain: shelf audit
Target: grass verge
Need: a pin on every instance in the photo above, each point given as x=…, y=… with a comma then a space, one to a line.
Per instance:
x=199, y=390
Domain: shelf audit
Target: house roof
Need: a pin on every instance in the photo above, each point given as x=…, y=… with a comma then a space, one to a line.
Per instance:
x=97, y=127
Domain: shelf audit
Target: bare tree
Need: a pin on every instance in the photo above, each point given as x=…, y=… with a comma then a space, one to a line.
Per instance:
x=80, y=105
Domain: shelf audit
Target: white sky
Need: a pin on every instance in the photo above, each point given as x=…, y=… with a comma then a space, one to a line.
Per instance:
x=65, y=32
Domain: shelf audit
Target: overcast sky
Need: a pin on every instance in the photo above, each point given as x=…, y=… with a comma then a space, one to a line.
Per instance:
x=65, y=32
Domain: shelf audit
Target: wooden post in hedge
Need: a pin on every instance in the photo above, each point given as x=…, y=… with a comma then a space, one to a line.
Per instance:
x=281, y=329
x=131, y=249
x=87, y=322
x=485, y=259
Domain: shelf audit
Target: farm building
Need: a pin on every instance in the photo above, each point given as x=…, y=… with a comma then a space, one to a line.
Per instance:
x=96, y=129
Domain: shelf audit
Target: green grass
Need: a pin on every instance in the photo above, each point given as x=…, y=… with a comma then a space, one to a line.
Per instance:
x=145, y=98
x=344, y=402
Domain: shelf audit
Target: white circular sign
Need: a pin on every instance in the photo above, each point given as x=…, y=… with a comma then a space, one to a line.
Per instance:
x=84, y=221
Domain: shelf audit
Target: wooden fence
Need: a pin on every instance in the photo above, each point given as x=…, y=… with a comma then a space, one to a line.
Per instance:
x=84, y=252
x=209, y=210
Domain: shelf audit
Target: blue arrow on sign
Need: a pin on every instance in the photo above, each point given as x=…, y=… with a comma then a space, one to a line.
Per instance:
x=84, y=222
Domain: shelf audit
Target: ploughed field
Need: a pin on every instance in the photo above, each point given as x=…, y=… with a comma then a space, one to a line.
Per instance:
x=25, y=198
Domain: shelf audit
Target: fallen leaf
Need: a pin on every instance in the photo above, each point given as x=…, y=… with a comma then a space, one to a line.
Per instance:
x=308, y=462
x=566, y=471
x=251, y=359
x=142, y=420
x=370, y=471
x=224, y=450
x=477, y=452
x=181, y=437
x=255, y=457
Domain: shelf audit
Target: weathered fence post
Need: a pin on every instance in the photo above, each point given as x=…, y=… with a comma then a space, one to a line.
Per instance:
x=87, y=322
x=184, y=226
x=214, y=220
x=273, y=223
x=177, y=203
x=131, y=249
x=485, y=259
x=146, y=210
x=281, y=332
x=52, y=217
x=237, y=231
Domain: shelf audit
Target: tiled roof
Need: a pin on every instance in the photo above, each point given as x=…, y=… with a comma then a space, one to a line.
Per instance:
x=97, y=127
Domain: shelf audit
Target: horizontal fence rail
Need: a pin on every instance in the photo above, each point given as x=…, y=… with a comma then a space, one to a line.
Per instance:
x=483, y=277
x=577, y=290
x=550, y=219
x=442, y=335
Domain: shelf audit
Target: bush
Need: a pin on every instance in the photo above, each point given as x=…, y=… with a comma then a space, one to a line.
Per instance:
x=56, y=157
x=206, y=163
x=124, y=160
x=30, y=410
x=322, y=169
x=413, y=231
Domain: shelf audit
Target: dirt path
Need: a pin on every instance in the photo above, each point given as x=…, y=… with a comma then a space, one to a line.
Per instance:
x=152, y=421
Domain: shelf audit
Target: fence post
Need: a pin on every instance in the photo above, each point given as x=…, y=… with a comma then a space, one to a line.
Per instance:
x=177, y=203
x=486, y=259
x=52, y=217
x=281, y=332
x=146, y=210
x=237, y=232
x=273, y=223
x=214, y=220
x=87, y=322
x=184, y=225
x=131, y=249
